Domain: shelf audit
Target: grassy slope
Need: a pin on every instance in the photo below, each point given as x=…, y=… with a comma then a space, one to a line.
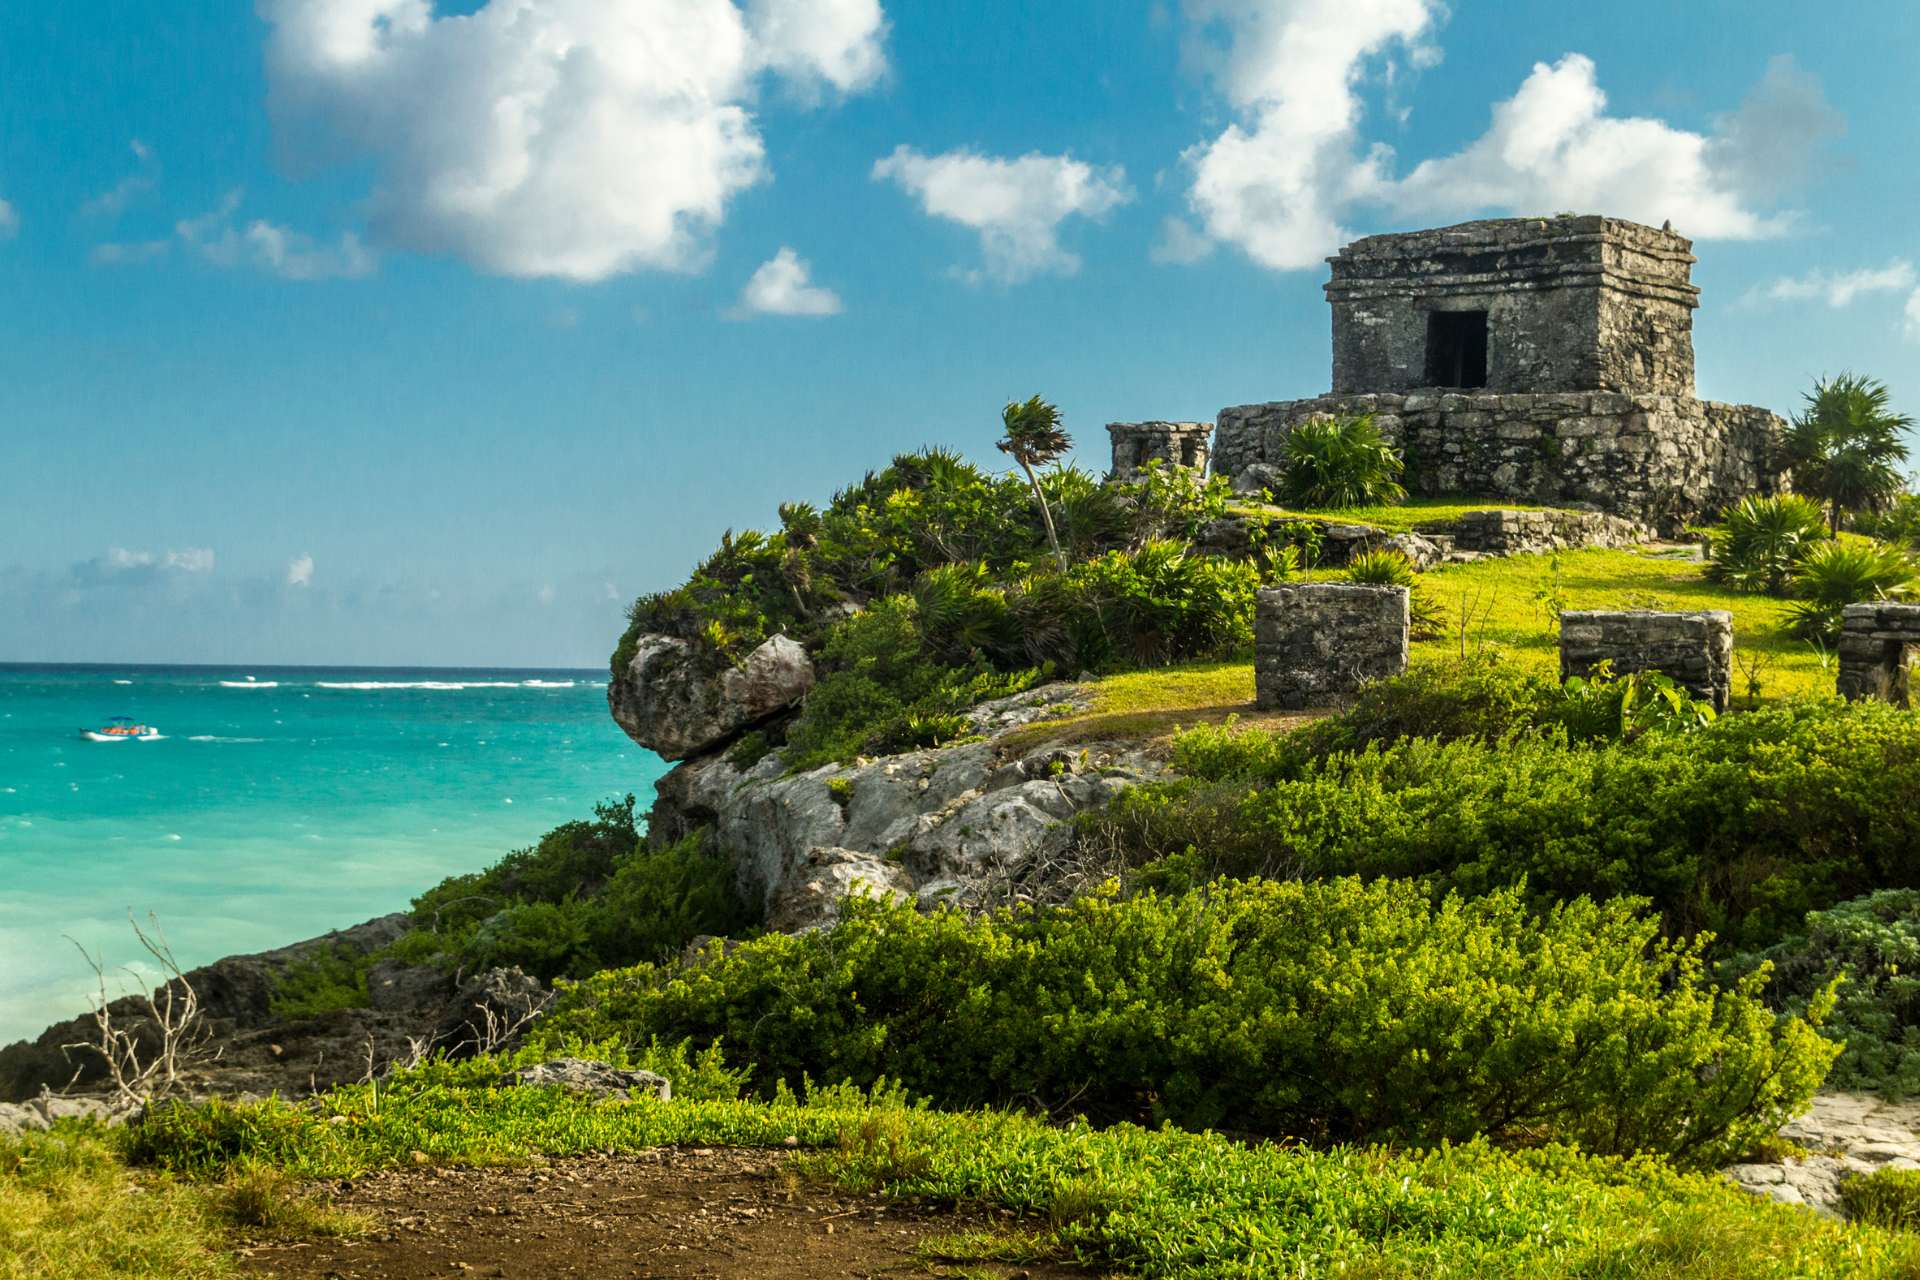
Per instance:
x=1398, y=519
x=1501, y=593
x=1158, y=1204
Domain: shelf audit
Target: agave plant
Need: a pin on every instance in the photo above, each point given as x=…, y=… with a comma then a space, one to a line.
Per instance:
x=1760, y=540
x=1835, y=574
x=1340, y=462
x=1427, y=616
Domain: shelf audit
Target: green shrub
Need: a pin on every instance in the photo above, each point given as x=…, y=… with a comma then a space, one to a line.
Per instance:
x=1832, y=575
x=1899, y=524
x=1340, y=462
x=1760, y=540
x=1889, y=1198
x=1738, y=828
x=325, y=979
x=1160, y=604
x=1332, y=1011
x=1872, y=944
x=589, y=895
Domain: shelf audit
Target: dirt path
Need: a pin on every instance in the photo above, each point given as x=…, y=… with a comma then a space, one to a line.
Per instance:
x=697, y=1213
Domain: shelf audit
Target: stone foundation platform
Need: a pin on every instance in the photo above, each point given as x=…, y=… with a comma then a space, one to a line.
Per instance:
x=1878, y=644
x=1694, y=650
x=1317, y=642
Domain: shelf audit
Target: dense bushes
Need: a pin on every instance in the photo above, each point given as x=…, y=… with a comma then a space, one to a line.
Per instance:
x=588, y=896
x=1738, y=828
x=1780, y=545
x=1324, y=1011
x=1340, y=462
x=1873, y=944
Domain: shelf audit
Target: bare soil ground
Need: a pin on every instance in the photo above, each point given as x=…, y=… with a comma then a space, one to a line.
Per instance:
x=696, y=1213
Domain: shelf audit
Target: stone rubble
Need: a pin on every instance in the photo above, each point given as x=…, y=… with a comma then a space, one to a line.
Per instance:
x=598, y=1079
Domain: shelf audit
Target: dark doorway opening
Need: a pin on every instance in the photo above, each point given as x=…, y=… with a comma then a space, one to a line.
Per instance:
x=1456, y=348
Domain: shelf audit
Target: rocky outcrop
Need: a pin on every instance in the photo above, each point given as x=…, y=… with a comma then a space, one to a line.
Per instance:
x=811, y=891
x=244, y=1048
x=592, y=1079
x=669, y=703
x=1845, y=1136
x=38, y=1115
x=946, y=820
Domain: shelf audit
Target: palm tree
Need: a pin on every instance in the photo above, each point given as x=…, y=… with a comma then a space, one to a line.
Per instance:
x=1846, y=444
x=1034, y=439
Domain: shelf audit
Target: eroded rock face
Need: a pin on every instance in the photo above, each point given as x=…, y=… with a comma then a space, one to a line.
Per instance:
x=943, y=820
x=668, y=705
x=811, y=891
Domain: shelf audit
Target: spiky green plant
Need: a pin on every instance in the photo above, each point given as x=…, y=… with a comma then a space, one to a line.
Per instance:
x=1340, y=462
x=1034, y=438
x=1427, y=616
x=1760, y=540
x=1832, y=575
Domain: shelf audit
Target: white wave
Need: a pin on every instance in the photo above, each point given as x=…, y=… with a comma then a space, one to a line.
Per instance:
x=250, y=684
x=123, y=682
x=547, y=684
x=416, y=684
x=208, y=737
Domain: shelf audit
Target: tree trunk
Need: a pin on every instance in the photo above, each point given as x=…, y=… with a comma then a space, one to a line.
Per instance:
x=1060, y=557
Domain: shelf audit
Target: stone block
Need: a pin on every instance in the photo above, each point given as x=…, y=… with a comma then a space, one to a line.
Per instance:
x=1694, y=650
x=1879, y=644
x=1317, y=642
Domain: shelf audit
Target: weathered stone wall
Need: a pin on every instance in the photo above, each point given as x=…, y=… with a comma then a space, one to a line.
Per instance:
x=1694, y=650
x=1572, y=304
x=1666, y=460
x=1315, y=642
x=1180, y=444
x=1520, y=533
x=1878, y=644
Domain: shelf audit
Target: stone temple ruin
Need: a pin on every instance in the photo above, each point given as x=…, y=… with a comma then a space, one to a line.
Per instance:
x=1544, y=361
x=1178, y=444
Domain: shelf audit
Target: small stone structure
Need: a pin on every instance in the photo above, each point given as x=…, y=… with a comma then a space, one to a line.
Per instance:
x=1878, y=643
x=1694, y=650
x=1537, y=360
x=1315, y=642
x=1180, y=444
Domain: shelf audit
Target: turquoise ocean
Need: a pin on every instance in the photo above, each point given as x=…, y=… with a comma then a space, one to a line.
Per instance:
x=278, y=803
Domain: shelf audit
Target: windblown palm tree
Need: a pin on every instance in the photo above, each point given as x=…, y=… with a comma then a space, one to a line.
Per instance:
x=1034, y=439
x=1845, y=446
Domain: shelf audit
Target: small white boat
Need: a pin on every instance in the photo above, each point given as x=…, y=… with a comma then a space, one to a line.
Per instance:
x=121, y=729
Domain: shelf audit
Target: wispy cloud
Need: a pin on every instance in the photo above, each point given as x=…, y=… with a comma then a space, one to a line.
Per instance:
x=300, y=571
x=1017, y=206
x=1837, y=289
x=783, y=286
x=110, y=203
x=113, y=254
x=287, y=253
x=9, y=221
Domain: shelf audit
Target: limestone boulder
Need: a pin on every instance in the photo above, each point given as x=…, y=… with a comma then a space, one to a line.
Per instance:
x=592, y=1079
x=811, y=892
x=671, y=704
x=1255, y=477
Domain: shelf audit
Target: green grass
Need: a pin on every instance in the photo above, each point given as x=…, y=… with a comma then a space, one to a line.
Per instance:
x=1505, y=612
x=1148, y=704
x=1397, y=519
x=1154, y=1204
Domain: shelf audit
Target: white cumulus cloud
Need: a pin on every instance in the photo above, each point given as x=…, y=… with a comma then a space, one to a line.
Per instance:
x=571, y=138
x=1016, y=205
x=783, y=286
x=300, y=571
x=1282, y=180
x=192, y=560
x=1838, y=289
x=112, y=202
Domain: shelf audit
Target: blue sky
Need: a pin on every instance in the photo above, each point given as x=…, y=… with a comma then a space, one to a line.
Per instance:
x=362, y=331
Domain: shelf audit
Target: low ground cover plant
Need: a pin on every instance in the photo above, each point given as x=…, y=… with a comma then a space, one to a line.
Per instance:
x=1333, y=1011
x=1154, y=1203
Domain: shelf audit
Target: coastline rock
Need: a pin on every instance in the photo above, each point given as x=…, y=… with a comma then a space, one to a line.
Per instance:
x=953, y=816
x=810, y=893
x=597, y=1079
x=667, y=704
x=1845, y=1136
